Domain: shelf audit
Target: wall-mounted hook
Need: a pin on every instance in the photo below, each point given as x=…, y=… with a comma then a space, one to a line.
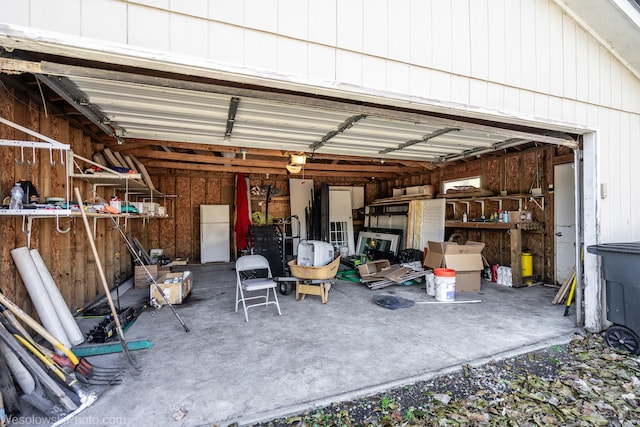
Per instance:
x=32, y=162
x=21, y=161
x=26, y=228
x=61, y=158
x=51, y=161
x=58, y=226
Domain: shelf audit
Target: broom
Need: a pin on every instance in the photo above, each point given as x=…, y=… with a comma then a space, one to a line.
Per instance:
x=103, y=279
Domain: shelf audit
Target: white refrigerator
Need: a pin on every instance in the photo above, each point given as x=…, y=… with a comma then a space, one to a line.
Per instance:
x=214, y=233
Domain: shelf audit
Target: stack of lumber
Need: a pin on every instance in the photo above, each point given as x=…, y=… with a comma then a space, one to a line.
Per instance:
x=394, y=275
x=563, y=292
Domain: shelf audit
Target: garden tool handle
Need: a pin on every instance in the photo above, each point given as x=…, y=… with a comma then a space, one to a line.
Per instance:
x=32, y=323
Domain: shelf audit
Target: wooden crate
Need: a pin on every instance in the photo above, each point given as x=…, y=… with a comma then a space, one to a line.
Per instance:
x=176, y=287
x=141, y=277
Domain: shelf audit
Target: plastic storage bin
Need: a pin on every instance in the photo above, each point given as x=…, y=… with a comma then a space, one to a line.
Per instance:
x=621, y=270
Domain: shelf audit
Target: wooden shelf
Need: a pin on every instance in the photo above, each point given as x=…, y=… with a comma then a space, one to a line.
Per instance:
x=129, y=183
x=65, y=213
x=483, y=199
x=399, y=200
x=528, y=226
x=515, y=230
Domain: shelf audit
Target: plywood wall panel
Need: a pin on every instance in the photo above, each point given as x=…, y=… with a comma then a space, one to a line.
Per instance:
x=492, y=178
x=212, y=191
x=167, y=237
x=183, y=220
x=512, y=164
x=198, y=196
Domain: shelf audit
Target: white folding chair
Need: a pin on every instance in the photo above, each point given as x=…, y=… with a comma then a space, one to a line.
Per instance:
x=246, y=267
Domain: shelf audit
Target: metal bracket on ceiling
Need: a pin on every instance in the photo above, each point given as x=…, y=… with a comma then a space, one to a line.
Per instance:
x=344, y=126
x=511, y=142
x=231, y=115
x=74, y=96
x=417, y=141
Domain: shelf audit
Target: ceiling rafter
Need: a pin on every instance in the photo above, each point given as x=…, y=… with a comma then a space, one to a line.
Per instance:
x=164, y=164
x=248, y=162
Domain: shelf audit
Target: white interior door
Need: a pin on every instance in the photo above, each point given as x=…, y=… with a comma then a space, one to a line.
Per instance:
x=340, y=219
x=564, y=223
x=301, y=196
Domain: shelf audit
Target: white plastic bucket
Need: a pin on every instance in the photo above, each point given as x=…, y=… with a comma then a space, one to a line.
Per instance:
x=431, y=284
x=445, y=283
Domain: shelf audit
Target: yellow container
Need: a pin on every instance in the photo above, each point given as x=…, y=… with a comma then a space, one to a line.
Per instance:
x=527, y=264
x=328, y=271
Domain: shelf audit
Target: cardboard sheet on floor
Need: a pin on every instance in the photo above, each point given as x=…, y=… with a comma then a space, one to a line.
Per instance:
x=394, y=273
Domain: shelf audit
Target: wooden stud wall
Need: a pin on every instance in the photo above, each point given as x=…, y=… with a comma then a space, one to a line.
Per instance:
x=71, y=265
x=515, y=173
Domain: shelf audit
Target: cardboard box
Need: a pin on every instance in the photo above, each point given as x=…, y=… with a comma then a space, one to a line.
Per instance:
x=427, y=189
x=176, y=287
x=520, y=216
x=373, y=267
x=141, y=278
x=466, y=260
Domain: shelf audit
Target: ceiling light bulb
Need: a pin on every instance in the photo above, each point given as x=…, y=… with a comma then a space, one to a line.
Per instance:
x=294, y=168
x=298, y=159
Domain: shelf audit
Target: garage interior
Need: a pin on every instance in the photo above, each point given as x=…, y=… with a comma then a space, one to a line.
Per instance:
x=189, y=139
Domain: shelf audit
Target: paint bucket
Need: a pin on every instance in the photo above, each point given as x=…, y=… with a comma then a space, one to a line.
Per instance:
x=445, y=281
x=344, y=251
x=527, y=264
x=431, y=284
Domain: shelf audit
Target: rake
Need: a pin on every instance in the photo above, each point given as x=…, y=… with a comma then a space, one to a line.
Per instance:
x=138, y=260
x=103, y=279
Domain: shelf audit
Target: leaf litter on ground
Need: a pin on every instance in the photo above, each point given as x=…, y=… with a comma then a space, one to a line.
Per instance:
x=583, y=383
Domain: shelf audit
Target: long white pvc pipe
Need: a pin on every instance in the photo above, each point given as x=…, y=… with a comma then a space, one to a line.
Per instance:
x=69, y=324
x=20, y=373
x=38, y=294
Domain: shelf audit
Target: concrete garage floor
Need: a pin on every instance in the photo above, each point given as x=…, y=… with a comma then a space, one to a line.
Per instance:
x=227, y=370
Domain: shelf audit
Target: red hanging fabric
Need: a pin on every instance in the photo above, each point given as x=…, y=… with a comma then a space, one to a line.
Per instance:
x=242, y=212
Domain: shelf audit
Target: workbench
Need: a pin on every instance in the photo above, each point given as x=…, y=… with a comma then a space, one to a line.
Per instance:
x=515, y=230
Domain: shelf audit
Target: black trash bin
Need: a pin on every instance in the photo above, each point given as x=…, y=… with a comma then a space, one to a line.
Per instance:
x=621, y=270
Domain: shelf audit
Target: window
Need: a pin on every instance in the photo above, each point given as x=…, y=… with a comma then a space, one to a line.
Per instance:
x=461, y=184
x=339, y=236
